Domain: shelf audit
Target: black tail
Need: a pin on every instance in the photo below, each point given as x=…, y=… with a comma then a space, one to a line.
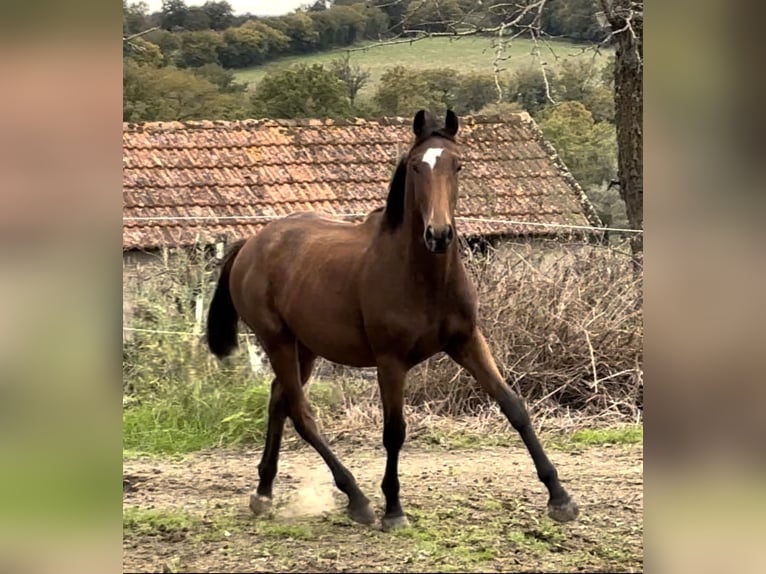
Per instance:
x=222, y=317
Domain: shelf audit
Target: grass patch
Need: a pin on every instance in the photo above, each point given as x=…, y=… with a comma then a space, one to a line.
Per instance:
x=187, y=417
x=469, y=54
x=594, y=437
x=162, y=523
x=598, y=437
x=282, y=530
x=441, y=536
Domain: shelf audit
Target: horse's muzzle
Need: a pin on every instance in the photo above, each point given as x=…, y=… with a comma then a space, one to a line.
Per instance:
x=438, y=239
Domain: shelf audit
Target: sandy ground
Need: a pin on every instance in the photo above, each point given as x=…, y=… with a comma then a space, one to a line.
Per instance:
x=479, y=510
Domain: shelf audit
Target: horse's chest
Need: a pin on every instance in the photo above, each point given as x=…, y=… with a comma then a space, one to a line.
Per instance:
x=418, y=334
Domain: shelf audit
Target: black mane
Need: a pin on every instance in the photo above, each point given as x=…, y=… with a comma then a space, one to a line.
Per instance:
x=395, y=201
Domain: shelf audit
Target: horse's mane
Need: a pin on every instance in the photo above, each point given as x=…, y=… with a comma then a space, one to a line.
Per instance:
x=394, y=211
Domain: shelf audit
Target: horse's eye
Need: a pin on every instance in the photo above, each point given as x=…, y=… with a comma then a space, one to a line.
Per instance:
x=459, y=166
x=415, y=168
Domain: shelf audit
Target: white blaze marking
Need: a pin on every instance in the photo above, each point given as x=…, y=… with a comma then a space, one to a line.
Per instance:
x=431, y=155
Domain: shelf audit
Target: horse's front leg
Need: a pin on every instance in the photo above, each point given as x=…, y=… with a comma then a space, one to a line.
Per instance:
x=474, y=355
x=391, y=376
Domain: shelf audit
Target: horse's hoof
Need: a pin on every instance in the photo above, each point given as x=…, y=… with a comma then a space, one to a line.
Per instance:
x=394, y=522
x=260, y=504
x=563, y=512
x=362, y=514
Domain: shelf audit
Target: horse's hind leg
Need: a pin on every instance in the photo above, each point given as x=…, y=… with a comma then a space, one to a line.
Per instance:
x=474, y=354
x=283, y=354
x=260, y=502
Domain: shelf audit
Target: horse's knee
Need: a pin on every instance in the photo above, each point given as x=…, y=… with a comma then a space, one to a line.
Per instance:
x=394, y=433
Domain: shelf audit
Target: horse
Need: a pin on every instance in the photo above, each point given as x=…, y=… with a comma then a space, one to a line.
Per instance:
x=388, y=292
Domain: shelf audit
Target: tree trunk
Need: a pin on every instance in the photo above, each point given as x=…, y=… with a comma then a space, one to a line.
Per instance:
x=626, y=19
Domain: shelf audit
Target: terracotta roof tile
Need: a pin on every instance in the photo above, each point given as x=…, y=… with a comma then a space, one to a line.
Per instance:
x=219, y=170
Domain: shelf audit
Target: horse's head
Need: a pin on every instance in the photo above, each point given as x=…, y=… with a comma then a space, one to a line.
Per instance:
x=432, y=167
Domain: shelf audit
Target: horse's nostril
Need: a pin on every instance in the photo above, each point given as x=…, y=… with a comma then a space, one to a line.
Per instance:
x=449, y=234
x=429, y=233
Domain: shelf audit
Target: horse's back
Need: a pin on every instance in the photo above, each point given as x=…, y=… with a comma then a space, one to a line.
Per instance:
x=301, y=273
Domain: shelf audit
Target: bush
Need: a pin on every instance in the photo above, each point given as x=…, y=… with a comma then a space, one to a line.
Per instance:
x=564, y=323
x=301, y=91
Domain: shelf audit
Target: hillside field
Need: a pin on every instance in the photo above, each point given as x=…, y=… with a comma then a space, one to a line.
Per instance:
x=466, y=54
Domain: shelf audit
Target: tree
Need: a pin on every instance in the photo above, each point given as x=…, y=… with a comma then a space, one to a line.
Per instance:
x=474, y=91
x=527, y=87
x=586, y=147
x=301, y=92
x=433, y=15
x=626, y=21
x=221, y=77
x=402, y=90
x=199, y=48
x=220, y=14
x=299, y=29
x=144, y=52
x=135, y=17
x=352, y=76
x=166, y=94
x=173, y=14
x=575, y=19
x=196, y=19
x=250, y=44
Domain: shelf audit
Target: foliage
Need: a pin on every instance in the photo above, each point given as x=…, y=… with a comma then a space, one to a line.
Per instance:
x=220, y=14
x=587, y=147
x=575, y=19
x=340, y=26
x=199, y=48
x=250, y=44
x=402, y=90
x=352, y=76
x=582, y=81
x=433, y=15
x=173, y=14
x=134, y=17
x=474, y=91
x=166, y=94
x=299, y=28
x=527, y=87
x=143, y=52
x=221, y=77
x=301, y=92
x=501, y=109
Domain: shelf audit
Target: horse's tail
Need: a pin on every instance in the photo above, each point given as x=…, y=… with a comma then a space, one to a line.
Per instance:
x=222, y=317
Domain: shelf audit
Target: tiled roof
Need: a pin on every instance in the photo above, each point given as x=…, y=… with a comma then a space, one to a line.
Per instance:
x=195, y=181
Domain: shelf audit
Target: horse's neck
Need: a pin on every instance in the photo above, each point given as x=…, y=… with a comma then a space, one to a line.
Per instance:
x=426, y=268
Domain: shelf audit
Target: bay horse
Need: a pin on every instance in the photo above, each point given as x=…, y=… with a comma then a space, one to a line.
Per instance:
x=388, y=292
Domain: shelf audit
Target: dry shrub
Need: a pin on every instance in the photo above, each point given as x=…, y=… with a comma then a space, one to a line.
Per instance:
x=564, y=322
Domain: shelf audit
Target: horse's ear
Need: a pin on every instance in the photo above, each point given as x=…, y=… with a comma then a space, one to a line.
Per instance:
x=451, y=123
x=420, y=122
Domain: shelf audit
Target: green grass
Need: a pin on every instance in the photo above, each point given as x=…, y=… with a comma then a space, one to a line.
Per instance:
x=183, y=416
x=467, y=54
x=597, y=437
x=186, y=417
x=585, y=438
x=144, y=522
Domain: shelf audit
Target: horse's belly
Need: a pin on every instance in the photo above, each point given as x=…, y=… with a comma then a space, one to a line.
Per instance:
x=333, y=333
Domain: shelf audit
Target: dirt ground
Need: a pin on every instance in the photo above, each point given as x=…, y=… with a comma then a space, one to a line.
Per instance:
x=479, y=509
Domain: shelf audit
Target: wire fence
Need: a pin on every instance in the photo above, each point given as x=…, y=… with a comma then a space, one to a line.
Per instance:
x=496, y=221
x=563, y=317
